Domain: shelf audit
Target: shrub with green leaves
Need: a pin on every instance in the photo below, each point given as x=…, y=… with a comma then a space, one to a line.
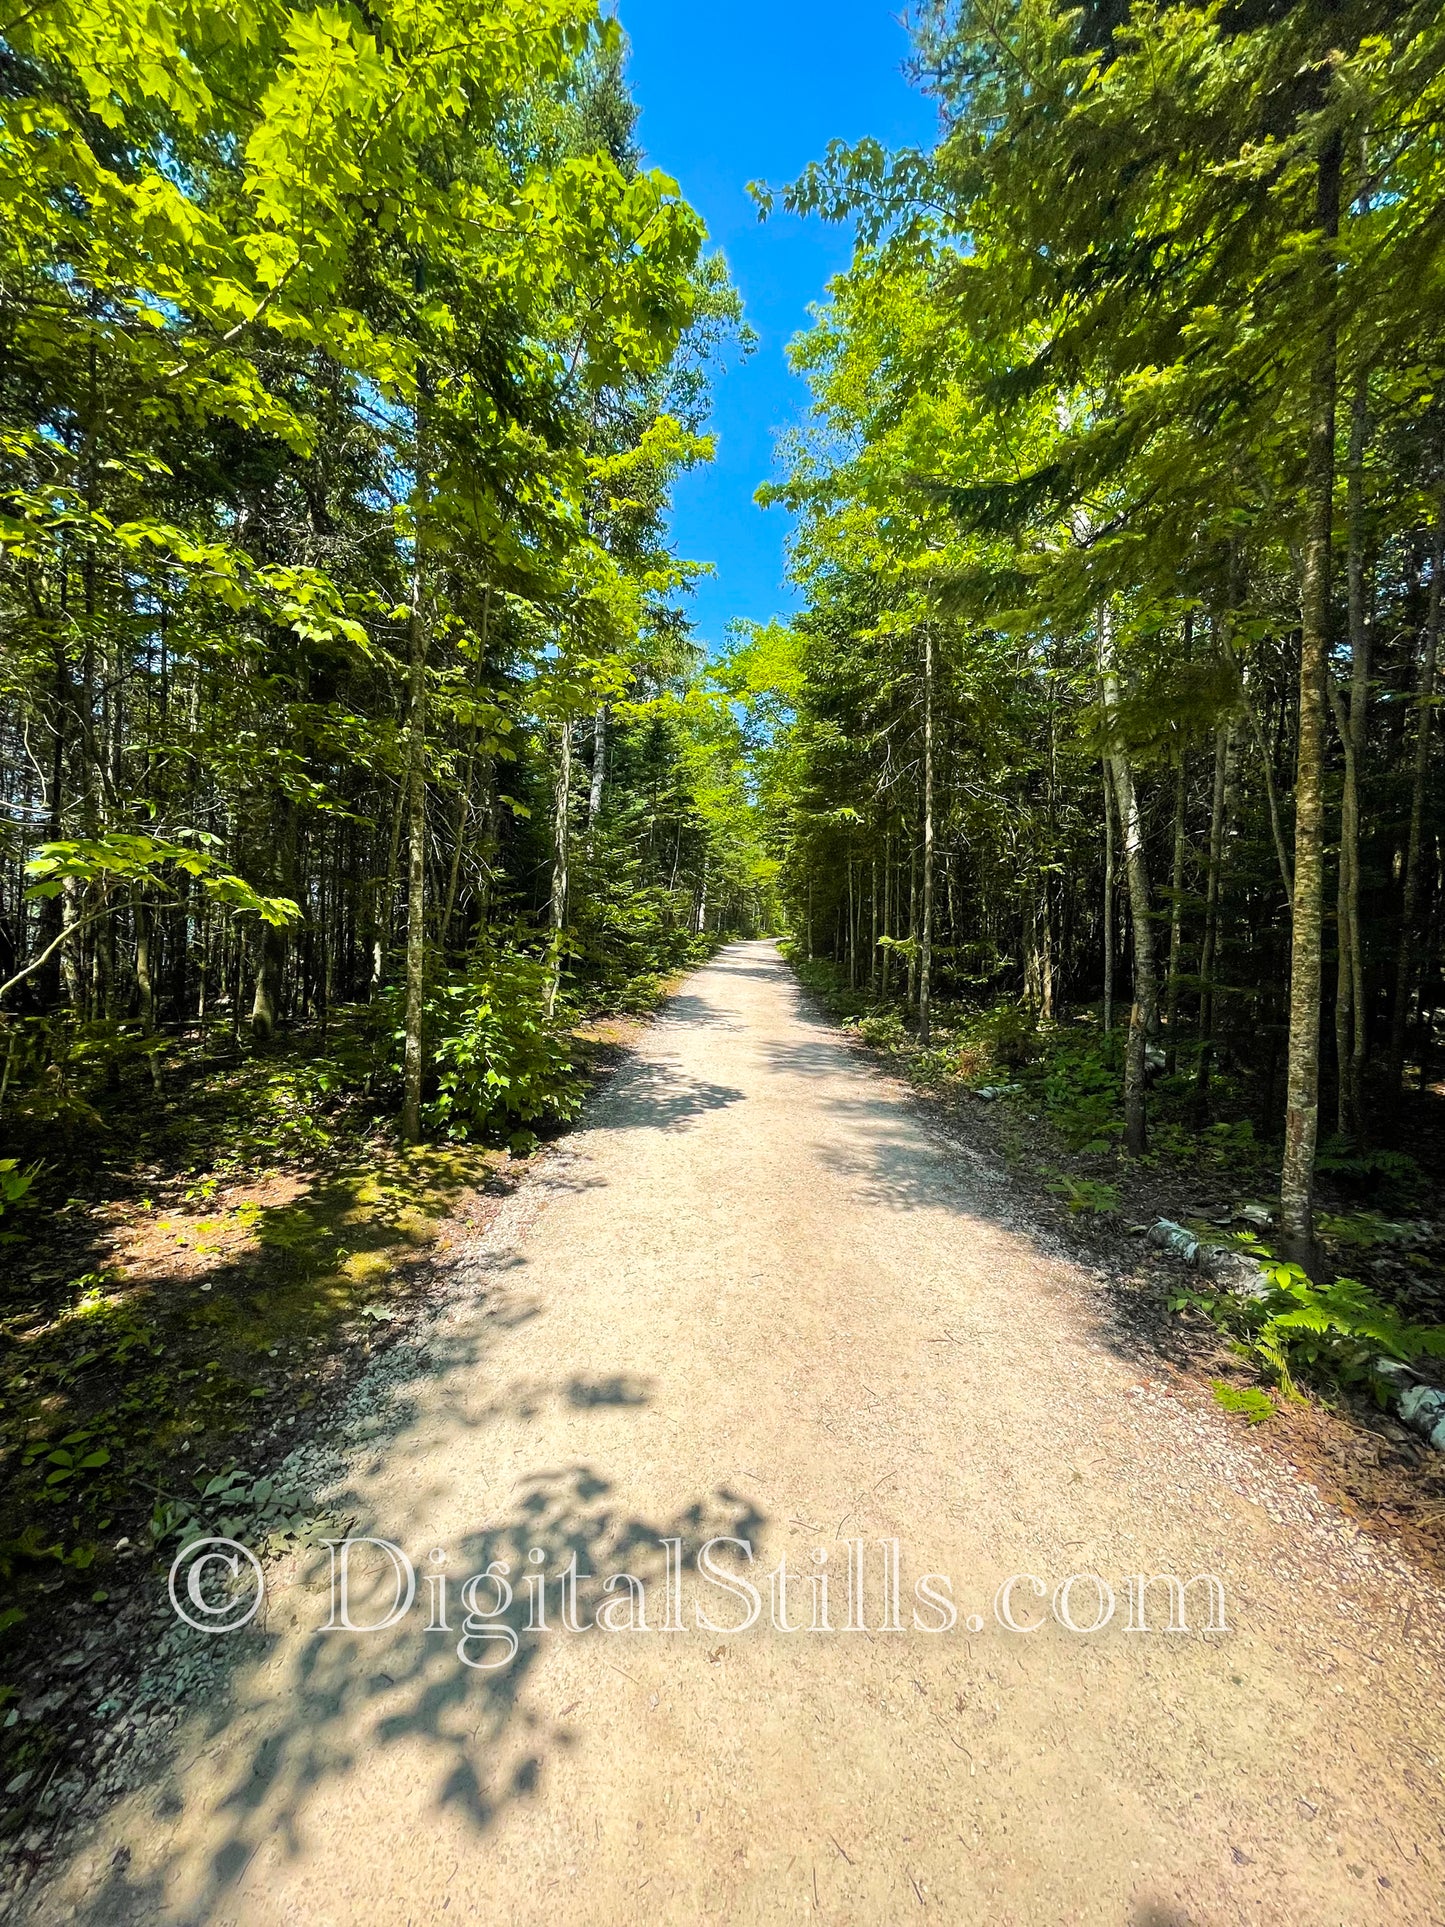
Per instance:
x=1011, y=1033
x=884, y=1029
x=497, y=1062
x=1080, y=1090
x=16, y=1185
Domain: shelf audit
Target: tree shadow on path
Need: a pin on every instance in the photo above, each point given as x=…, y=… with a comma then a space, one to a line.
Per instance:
x=341, y=1704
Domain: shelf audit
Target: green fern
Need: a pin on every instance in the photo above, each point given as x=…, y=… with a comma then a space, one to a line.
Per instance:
x=1251, y=1404
x=1298, y=1329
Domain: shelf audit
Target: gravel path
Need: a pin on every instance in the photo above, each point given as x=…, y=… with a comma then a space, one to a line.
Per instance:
x=754, y=1298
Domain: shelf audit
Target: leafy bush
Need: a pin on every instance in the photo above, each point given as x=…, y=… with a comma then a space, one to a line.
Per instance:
x=1364, y=1229
x=15, y=1188
x=260, y=1512
x=1082, y=1092
x=883, y=1029
x=1011, y=1034
x=497, y=1063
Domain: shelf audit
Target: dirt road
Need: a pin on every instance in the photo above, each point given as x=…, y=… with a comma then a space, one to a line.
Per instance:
x=754, y=1298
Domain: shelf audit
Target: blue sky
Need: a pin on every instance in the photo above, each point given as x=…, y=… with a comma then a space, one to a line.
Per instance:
x=733, y=91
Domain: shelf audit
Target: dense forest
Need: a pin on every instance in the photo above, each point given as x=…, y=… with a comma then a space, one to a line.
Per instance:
x=1119, y=516
x=347, y=364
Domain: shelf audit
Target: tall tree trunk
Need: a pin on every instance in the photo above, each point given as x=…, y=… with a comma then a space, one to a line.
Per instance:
x=384, y=892
x=887, y=914
x=1424, y=703
x=1176, y=919
x=464, y=805
x=912, y=981
x=561, y=850
x=1301, y=1125
x=599, y=766
x=925, y=939
x=873, y=907
x=1351, y=1030
x=1144, y=1009
x=272, y=941
x=144, y=979
x=236, y=967
x=852, y=946
x=202, y=993
x=52, y=909
x=420, y=639
x=1210, y=938
x=145, y=932
x=454, y=873
x=1108, y=902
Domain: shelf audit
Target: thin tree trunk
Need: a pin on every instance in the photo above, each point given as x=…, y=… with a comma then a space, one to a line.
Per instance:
x=1108, y=902
x=852, y=946
x=1350, y=1025
x=1271, y=792
x=1210, y=938
x=384, y=894
x=873, y=907
x=205, y=946
x=1176, y=919
x=1144, y=1009
x=465, y=805
x=420, y=627
x=145, y=929
x=1301, y=1128
x=454, y=873
x=1424, y=704
x=144, y=980
x=71, y=917
x=52, y=909
x=887, y=915
x=925, y=940
x=272, y=941
x=235, y=966
x=911, y=992
x=561, y=845
x=599, y=766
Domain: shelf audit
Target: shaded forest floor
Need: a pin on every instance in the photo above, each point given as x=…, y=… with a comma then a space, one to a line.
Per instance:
x=225, y=1256
x=1098, y=1204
